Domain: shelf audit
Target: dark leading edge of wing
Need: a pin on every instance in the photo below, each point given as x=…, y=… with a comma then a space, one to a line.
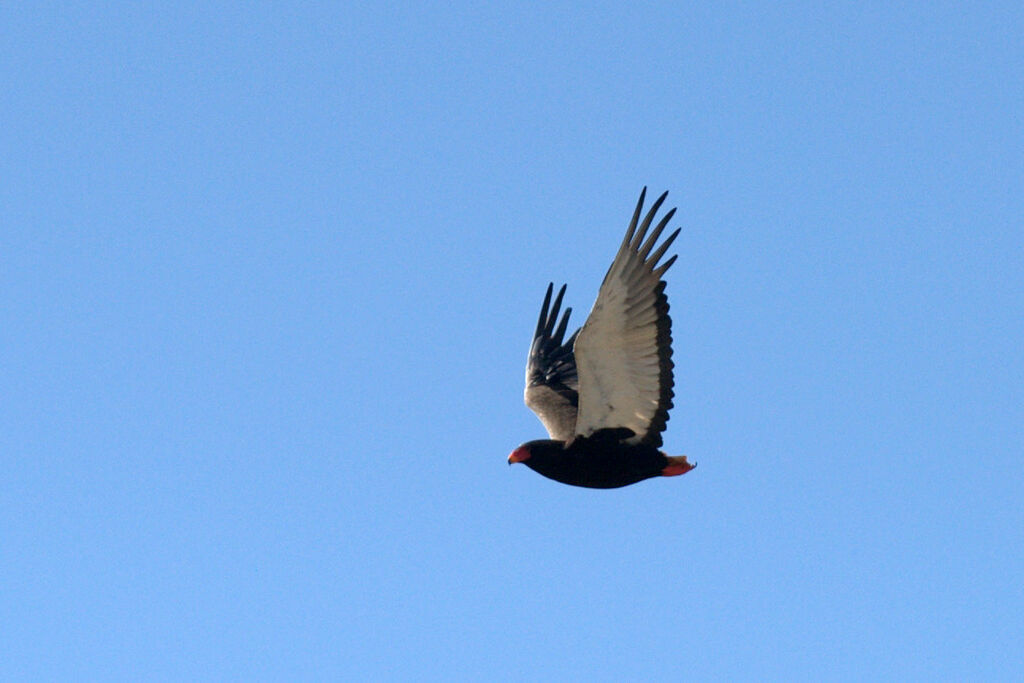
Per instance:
x=551, y=380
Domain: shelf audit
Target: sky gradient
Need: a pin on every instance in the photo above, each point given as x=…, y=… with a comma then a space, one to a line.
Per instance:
x=268, y=277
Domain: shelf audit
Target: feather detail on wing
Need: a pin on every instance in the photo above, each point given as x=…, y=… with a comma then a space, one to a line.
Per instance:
x=551, y=382
x=624, y=351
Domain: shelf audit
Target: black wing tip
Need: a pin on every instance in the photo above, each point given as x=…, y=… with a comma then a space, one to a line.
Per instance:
x=559, y=334
x=663, y=268
x=636, y=217
x=550, y=361
x=549, y=312
x=649, y=216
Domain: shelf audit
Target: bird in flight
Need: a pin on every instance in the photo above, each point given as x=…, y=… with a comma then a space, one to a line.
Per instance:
x=604, y=393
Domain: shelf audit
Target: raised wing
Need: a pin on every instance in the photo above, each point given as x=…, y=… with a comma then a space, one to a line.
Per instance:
x=551, y=384
x=624, y=351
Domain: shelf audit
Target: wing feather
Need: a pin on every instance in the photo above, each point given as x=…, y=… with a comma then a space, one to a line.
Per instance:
x=623, y=353
x=551, y=379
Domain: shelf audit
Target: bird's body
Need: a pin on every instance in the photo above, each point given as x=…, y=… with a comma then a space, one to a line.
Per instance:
x=603, y=460
x=604, y=394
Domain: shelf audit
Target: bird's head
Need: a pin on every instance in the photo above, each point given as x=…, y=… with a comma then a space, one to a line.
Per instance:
x=520, y=454
x=536, y=453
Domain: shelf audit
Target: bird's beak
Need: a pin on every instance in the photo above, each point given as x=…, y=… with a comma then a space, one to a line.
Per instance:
x=518, y=455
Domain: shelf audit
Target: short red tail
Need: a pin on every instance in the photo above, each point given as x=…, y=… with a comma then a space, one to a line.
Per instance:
x=677, y=465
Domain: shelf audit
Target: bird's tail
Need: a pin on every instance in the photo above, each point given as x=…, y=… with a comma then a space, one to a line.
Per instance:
x=677, y=464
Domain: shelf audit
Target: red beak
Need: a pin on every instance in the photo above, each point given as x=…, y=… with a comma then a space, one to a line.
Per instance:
x=518, y=455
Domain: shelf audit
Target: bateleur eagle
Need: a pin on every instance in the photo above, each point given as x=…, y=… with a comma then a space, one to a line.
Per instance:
x=604, y=393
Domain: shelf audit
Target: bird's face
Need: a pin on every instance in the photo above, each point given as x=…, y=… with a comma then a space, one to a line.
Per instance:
x=520, y=454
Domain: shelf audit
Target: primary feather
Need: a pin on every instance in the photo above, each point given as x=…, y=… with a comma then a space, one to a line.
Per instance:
x=551, y=381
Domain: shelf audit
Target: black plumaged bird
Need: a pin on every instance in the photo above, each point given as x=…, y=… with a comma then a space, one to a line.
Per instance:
x=604, y=393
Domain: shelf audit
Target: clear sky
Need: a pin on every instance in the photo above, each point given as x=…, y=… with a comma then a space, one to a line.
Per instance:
x=268, y=277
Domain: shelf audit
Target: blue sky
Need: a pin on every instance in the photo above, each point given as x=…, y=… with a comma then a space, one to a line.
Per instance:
x=267, y=280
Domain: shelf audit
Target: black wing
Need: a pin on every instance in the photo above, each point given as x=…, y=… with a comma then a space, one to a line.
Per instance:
x=551, y=383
